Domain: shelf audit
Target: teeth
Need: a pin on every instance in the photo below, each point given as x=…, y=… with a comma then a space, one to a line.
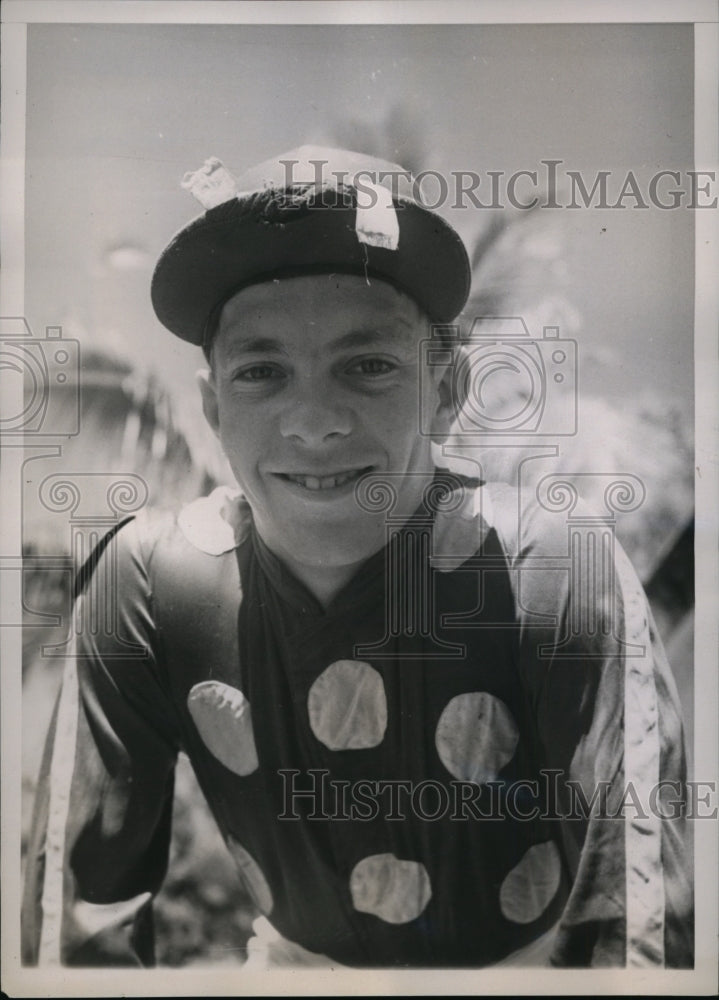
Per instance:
x=324, y=482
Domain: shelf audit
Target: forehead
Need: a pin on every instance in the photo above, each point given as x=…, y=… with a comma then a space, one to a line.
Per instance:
x=323, y=305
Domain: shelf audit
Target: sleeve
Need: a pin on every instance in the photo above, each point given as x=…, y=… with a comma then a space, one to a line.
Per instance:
x=100, y=838
x=609, y=736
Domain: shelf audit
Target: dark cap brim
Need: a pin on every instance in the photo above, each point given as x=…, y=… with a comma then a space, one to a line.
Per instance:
x=235, y=245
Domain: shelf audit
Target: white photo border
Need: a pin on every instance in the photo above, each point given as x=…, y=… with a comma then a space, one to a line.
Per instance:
x=19, y=981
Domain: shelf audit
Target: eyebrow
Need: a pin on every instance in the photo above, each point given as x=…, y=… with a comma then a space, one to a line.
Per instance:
x=371, y=336
x=355, y=338
x=257, y=345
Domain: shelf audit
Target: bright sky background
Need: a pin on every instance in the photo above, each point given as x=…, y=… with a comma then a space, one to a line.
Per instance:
x=118, y=113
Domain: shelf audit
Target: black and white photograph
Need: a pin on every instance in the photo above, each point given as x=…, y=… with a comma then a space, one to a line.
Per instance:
x=359, y=537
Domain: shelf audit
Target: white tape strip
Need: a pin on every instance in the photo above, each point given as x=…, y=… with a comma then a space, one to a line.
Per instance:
x=212, y=184
x=377, y=224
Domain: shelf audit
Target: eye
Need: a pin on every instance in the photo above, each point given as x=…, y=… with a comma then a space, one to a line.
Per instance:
x=371, y=367
x=257, y=373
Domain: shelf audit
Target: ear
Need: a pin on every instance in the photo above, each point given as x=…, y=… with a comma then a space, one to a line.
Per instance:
x=208, y=391
x=445, y=402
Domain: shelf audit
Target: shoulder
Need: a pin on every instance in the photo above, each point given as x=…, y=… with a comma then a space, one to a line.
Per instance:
x=212, y=525
x=521, y=524
x=196, y=547
x=173, y=548
x=175, y=576
x=526, y=528
x=559, y=550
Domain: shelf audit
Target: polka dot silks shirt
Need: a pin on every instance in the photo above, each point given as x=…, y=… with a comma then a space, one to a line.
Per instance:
x=402, y=777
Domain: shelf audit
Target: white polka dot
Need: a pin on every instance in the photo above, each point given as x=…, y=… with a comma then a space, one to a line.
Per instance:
x=215, y=524
x=476, y=736
x=255, y=882
x=393, y=890
x=347, y=706
x=224, y=721
x=531, y=885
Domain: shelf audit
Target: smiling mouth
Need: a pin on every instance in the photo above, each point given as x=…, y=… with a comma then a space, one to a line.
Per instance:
x=318, y=483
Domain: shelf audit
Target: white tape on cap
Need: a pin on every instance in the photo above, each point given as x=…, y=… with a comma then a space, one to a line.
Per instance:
x=377, y=224
x=212, y=184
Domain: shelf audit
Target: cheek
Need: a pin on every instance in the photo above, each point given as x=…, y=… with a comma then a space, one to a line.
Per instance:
x=406, y=446
x=239, y=431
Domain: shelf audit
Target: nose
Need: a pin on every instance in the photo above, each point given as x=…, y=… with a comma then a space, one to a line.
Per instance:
x=315, y=413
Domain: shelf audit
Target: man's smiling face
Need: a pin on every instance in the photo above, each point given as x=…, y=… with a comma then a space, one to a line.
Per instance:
x=315, y=381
